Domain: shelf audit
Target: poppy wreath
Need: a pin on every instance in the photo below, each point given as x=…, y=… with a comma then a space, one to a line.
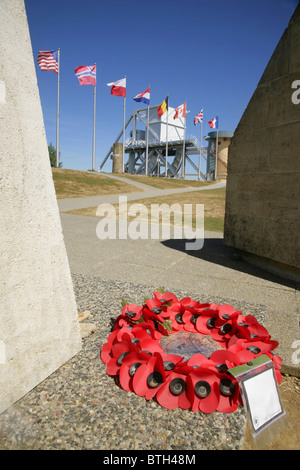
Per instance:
x=134, y=356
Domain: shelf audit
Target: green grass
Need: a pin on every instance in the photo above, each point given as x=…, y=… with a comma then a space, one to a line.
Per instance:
x=213, y=200
x=73, y=183
x=165, y=183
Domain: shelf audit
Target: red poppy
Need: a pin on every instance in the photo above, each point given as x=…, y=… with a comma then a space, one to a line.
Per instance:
x=229, y=394
x=166, y=297
x=173, y=393
x=175, y=314
x=248, y=350
x=189, y=321
x=130, y=313
x=222, y=360
x=196, y=360
x=203, y=390
x=150, y=345
x=130, y=365
x=171, y=362
x=106, y=353
x=277, y=361
x=160, y=309
x=193, y=305
x=227, y=312
x=119, y=351
x=143, y=331
x=250, y=324
x=224, y=330
x=149, y=377
x=106, y=349
x=116, y=336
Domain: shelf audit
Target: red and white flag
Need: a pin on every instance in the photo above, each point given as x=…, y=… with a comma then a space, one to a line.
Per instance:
x=118, y=88
x=180, y=111
x=214, y=123
x=86, y=74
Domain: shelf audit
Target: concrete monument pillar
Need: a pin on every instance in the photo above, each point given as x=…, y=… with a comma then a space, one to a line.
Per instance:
x=263, y=190
x=39, y=329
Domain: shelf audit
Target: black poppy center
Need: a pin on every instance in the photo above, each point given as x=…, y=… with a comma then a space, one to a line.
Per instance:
x=130, y=313
x=154, y=379
x=194, y=318
x=168, y=365
x=147, y=352
x=227, y=387
x=156, y=310
x=221, y=368
x=226, y=328
x=254, y=349
x=135, y=340
x=134, y=368
x=202, y=389
x=121, y=357
x=211, y=322
x=178, y=318
x=177, y=386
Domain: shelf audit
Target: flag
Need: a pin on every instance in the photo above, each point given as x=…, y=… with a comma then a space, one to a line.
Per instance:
x=118, y=88
x=163, y=107
x=143, y=97
x=86, y=74
x=199, y=118
x=214, y=123
x=180, y=111
x=48, y=60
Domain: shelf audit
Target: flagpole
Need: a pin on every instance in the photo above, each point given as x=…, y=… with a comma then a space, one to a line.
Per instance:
x=123, y=165
x=183, y=153
x=57, y=111
x=167, y=138
x=94, y=127
x=217, y=139
x=199, y=172
x=147, y=140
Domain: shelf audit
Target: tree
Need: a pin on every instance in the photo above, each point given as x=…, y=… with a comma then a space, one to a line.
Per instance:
x=52, y=156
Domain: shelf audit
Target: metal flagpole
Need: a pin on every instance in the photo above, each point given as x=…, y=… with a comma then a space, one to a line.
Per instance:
x=167, y=138
x=123, y=164
x=199, y=172
x=94, y=128
x=217, y=139
x=183, y=152
x=57, y=114
x=147, y=140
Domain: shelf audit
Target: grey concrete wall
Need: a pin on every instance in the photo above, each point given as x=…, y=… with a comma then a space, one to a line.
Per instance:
x=263, y=184
x=39, y=329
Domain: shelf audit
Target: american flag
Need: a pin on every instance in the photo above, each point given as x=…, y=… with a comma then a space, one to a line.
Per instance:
x=199, y=118
x=48, y=60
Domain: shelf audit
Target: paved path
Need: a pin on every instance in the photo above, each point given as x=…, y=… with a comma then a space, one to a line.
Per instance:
x=146, y=192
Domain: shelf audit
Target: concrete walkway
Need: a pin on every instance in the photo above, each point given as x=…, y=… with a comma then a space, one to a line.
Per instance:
x=211, y=272
x=146, y=192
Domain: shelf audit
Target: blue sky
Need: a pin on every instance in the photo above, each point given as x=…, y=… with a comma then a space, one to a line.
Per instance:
x=210, y=54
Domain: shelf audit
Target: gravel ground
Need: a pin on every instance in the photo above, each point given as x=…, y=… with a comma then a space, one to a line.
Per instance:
x=80, y=407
